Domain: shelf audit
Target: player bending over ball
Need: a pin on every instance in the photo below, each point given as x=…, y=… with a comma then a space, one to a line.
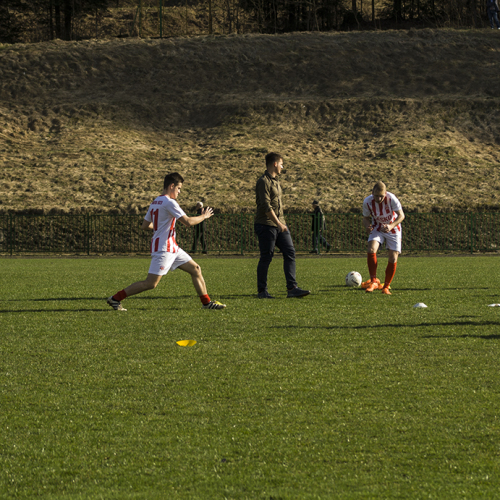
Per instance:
x=382, y=217
x=166, y=255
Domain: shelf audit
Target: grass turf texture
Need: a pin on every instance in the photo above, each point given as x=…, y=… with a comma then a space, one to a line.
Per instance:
x=342, y=394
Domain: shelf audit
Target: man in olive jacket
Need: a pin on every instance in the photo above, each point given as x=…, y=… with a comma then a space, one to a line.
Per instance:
x=271, y=229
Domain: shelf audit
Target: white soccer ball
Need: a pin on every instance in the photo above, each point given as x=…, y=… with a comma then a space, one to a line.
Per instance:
x=353, y=279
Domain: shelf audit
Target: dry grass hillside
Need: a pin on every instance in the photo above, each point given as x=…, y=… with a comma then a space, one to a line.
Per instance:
x=94, y=125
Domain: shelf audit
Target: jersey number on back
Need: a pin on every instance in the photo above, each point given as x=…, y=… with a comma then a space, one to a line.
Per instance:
x=154, y=218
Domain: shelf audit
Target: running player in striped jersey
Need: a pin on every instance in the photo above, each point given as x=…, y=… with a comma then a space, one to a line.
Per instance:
x=382, y=217
x=166, y=255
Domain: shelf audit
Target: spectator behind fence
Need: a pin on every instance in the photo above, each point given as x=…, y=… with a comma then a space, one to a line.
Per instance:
x=199, y=232
x=492, y=11
x=318, y=226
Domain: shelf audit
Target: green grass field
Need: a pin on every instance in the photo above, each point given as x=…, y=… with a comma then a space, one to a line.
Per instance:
x=342, y=394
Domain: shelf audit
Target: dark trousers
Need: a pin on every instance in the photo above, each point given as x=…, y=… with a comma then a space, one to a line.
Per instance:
x=493, y=17
x=269, y=238
x=199, y=234
x=319, y=239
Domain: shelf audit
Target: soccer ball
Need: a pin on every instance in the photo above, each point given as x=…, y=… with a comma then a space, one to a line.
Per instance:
x=353, y=279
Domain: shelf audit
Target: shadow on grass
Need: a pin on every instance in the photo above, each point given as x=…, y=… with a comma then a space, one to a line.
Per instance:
x=135, y=297
x=409, y=289
x=69, y=299
x=102, y=300
x=401, y=325
x=237, y=296
x=103, y=310
x=465, y=336
x=23, y=311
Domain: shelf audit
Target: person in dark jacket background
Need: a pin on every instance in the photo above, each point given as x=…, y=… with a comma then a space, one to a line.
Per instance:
x=318, y=226
x=492, y=11
x=199, y=232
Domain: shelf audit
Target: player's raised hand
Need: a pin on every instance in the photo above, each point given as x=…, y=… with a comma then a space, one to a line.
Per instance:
x=207, y=212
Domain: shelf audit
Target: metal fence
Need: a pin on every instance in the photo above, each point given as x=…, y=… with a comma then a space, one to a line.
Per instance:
x=233, y=233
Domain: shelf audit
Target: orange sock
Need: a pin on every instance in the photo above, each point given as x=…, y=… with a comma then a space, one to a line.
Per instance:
x=205, y=299
x=390, y=271
x=372, y=265
x=120, y=296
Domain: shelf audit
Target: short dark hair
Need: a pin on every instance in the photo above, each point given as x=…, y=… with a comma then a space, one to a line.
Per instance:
x=173, y=178
x=272, y=158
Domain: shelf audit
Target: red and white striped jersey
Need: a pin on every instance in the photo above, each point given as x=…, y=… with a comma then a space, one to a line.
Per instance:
x=382, y=213
x=163, y=212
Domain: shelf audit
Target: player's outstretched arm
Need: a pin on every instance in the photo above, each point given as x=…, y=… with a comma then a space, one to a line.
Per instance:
x=146, y=225
x=206, y=213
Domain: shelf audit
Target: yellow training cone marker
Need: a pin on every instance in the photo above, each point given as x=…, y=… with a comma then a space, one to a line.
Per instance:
x=185, y=343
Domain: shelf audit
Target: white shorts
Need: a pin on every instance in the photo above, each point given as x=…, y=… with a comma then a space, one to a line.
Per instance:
x=162, y=263
x=392, y=240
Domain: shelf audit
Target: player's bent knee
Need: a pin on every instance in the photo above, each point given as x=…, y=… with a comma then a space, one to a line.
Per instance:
x=193, y=269
x=150, y=284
